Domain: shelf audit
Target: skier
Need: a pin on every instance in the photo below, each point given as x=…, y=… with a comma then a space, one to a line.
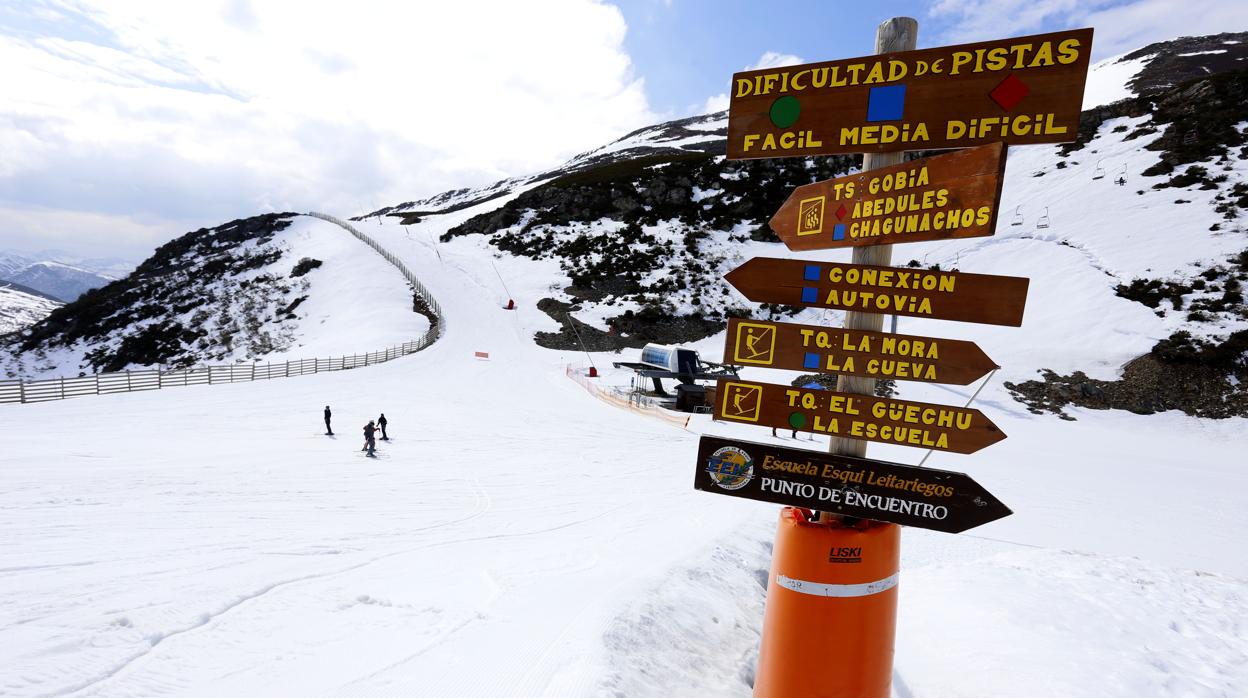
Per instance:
x=369, y=444
x=329, y=431
x=381, y=422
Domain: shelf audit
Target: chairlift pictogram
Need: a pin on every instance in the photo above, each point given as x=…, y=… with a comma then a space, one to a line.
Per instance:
x=1018, y=216
x=1043, y=222
x=1099, y=173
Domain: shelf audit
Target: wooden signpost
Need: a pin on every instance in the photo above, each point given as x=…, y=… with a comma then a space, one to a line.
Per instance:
x=1023, y=90
x=939, y=198
x=940, y=295
x=937, y=500
x=862, y=417
x=834, y=572
x=878, y=355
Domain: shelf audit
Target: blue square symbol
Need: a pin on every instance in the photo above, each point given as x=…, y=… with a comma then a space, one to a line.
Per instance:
x=811, y=273
x=810, y=360
x=810, y=295
x=838, y=231
x=886, y=103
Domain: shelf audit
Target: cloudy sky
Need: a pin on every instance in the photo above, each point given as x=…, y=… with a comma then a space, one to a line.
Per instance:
x=124, y=123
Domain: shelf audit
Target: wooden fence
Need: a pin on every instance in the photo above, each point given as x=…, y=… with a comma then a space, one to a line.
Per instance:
x=21, y=391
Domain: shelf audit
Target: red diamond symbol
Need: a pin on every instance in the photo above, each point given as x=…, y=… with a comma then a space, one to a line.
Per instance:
x=1009, y=93
x=840, y=212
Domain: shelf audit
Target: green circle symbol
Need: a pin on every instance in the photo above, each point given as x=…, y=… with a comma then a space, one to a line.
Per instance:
x=797, y=420
x=785, y=110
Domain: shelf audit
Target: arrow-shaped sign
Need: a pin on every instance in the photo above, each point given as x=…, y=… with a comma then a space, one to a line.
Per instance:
x=941, y=295
x=854, y=352
x=864, y=417
x=870, y=489
x=948, y=196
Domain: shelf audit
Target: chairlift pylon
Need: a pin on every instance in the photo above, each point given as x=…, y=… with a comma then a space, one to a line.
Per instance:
x=1099, y=172
x=1122, y=176
x=1043, y=222
x=1018, y=216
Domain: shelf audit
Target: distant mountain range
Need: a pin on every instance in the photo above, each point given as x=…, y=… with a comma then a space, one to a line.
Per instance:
x=59, y=275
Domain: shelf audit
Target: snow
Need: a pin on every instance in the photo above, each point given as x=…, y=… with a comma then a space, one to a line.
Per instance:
x=1107, y=80
x=520, y=538
x=1205, y=53
x=19, y=309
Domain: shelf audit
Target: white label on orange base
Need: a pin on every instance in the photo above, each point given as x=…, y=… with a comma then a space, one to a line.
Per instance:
x=838, y=591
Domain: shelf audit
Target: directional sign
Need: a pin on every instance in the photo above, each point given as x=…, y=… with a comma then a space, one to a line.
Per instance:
x=1024, y=90
x=948, y=196
x=854, y=352
x=869, y=489
x=864, y=417
x=941, y=295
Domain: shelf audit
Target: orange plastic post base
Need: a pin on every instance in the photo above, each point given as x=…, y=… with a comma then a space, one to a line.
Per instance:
x=831, y=613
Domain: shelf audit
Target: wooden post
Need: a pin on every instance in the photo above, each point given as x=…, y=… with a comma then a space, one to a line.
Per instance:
x=814, y=641
x=896, y=34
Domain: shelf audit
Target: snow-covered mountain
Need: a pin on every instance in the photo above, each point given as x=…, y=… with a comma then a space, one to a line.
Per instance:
x=247, y=290
x=62, y=281
x=518, y=537
x=21, y=306
x=642, y=230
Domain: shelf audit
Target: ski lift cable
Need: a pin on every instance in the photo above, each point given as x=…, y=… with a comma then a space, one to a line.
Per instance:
x=578, y=339
x=500, y=280
x=968, y=404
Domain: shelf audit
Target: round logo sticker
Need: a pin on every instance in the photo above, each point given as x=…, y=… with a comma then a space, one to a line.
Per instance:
x=730, y=467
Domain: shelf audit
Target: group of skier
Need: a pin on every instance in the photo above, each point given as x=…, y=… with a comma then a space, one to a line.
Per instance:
x=370, y=431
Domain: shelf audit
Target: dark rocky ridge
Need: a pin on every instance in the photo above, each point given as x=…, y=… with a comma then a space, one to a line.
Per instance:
x=1198, y=377
x=143, y=319
x=1187, y=58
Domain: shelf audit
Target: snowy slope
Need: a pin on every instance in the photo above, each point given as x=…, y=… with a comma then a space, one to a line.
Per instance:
x=521, y=538
x=19, y=308
x=260, y=310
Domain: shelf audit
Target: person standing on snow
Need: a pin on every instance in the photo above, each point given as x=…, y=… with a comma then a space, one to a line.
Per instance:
x=329, y=431
x=381, y=422
x=369, y=444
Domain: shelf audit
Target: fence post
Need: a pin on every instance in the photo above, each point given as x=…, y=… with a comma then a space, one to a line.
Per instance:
x=62, y=387
x=21, y=390
x=128, y=389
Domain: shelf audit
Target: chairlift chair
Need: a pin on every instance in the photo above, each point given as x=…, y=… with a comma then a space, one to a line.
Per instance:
x=1043, y=222
x=1190, y=137
x=1122, y=176
x=1018, y=216
x=1099, y=173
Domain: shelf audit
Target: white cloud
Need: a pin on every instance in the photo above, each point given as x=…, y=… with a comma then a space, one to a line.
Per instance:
x=1120, y=26
x=199, y=112
x=716, y=103
x=769, y=59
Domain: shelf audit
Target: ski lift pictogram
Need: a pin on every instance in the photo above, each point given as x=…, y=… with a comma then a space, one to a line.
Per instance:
x=1043, y=222
x=1018, y=216
x=1099, y=173
x=1122, y=176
